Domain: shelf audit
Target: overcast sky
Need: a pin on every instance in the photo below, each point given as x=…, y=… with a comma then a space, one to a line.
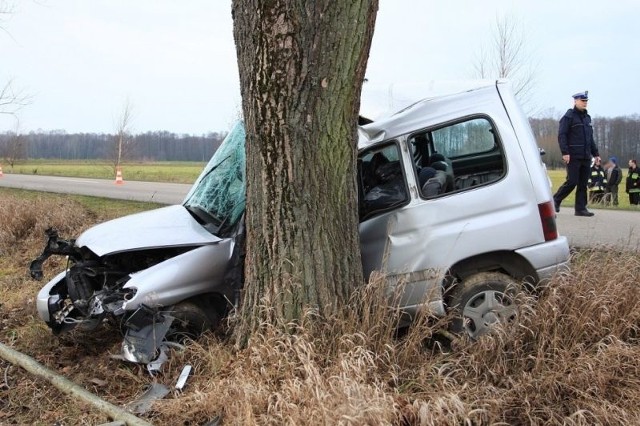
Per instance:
x=79, y=60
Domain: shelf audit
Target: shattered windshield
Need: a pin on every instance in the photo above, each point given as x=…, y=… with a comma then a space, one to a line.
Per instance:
x=219, y=192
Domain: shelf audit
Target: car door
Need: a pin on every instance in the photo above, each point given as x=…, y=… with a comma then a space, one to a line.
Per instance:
x=382, y=191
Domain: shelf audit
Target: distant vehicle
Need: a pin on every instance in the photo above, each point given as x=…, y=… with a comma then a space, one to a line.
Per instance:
x=454, y=202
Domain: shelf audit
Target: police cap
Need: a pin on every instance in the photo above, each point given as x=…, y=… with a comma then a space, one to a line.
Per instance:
x=582, y=95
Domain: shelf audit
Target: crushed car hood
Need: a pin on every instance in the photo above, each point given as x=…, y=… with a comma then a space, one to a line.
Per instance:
x=171, y=226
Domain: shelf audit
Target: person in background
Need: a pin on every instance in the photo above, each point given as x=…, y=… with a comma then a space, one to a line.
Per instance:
x=597, y=182
x=575, y=137
x=633, y=183
x=614, y=177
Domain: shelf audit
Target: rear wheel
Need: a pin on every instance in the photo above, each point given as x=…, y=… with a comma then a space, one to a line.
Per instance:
x=481, y=301
x=190, y=320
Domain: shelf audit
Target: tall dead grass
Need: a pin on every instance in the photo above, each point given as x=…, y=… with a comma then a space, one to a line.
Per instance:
x=572, y=357
x=23, y=220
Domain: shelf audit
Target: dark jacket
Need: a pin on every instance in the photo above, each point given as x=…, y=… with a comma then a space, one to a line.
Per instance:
x=615, y=178
x=575, y=135
x=597, y=180
x=633, y=180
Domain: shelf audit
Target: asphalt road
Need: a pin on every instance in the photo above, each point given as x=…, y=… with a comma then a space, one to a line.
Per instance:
x=617, y=228
x=609, y=227
x=165, y=193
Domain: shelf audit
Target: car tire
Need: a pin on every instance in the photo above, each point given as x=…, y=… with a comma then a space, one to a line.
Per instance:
x=190, y=320
x=481, y=300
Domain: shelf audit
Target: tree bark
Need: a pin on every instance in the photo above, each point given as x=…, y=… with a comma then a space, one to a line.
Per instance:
x=302, y=66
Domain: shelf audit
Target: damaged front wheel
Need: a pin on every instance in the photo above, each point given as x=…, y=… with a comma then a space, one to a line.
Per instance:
x=190, y=320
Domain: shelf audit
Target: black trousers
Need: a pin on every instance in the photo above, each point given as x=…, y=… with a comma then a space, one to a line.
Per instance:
x=578, y=172
x=634, y=198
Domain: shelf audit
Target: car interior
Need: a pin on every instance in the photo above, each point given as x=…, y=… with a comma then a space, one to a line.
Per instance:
x=469, y=152
x=447, y=159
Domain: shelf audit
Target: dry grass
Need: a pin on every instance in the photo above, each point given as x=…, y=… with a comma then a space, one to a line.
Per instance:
x=572, y=357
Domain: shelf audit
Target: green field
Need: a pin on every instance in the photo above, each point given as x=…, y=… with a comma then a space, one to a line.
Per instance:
x=558, y=177
x=187, y=172
x=178, y=172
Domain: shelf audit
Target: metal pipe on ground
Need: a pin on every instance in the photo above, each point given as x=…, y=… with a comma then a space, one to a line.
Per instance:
x=68, y=387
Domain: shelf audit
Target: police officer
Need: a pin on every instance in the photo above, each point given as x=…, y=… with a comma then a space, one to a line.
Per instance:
x=575, y=136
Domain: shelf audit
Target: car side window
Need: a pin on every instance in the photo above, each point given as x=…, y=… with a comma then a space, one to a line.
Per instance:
x=381, y=181
x=457, y=156
x=466, y=138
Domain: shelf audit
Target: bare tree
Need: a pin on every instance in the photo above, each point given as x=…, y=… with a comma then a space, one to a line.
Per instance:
x=11, y=99
x=301, y=67
x=123, y=140
x=14, y=147
x=508, y=55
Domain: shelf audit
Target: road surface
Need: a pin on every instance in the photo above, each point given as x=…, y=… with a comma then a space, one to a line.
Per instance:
x=617, y=228
x=609, y=227
x=165, y=193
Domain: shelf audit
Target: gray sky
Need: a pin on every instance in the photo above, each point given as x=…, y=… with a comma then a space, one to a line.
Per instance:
x=175, y=60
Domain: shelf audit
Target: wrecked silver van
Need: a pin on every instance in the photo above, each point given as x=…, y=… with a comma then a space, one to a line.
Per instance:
x=453, y=202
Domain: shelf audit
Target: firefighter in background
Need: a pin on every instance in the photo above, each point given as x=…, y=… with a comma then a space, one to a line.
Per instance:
x=633, y=183
x=597, y=182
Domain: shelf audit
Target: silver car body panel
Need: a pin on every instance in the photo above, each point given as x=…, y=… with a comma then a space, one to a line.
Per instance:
x=547, y=258
x=44, y=296
x=170, y=226
x=192, y=273
x=432, y=235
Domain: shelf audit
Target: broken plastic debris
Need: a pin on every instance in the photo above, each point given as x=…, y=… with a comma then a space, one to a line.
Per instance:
x=182, y=379
x=155, y=365
x=143, y=404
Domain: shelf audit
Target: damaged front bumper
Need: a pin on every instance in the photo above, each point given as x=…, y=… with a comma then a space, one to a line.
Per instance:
x=146, y=330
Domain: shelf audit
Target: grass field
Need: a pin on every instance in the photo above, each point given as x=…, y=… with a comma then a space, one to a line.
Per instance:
x=178, y=172
x=559, y=176
x=186, y=172
x=571, y=356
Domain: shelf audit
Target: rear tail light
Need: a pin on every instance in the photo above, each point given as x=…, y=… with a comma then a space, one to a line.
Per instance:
x=548, y=220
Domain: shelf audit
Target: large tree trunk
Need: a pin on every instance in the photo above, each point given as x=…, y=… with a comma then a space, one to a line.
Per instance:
x=302, y=65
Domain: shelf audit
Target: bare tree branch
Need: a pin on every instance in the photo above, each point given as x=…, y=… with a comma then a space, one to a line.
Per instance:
x=11, y=100
x=508, y=56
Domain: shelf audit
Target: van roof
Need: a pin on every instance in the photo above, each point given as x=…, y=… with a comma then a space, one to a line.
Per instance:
x=397, y=109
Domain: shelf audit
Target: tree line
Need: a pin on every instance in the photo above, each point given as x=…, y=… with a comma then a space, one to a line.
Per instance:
x=615, y=136
x=149, y=146
x=619, y=136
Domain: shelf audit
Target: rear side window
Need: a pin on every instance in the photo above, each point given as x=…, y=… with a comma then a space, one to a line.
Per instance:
x=466, y=138
x=457, y=156
x=381, y=181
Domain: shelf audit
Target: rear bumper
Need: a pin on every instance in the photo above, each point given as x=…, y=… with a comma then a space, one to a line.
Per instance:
x=548, y=258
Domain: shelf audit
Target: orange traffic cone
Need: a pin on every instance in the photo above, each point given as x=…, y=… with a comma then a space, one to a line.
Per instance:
x=1, y=174
x=119, y=180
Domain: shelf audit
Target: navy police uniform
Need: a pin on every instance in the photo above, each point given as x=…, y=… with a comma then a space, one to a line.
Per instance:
x=575, y=136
